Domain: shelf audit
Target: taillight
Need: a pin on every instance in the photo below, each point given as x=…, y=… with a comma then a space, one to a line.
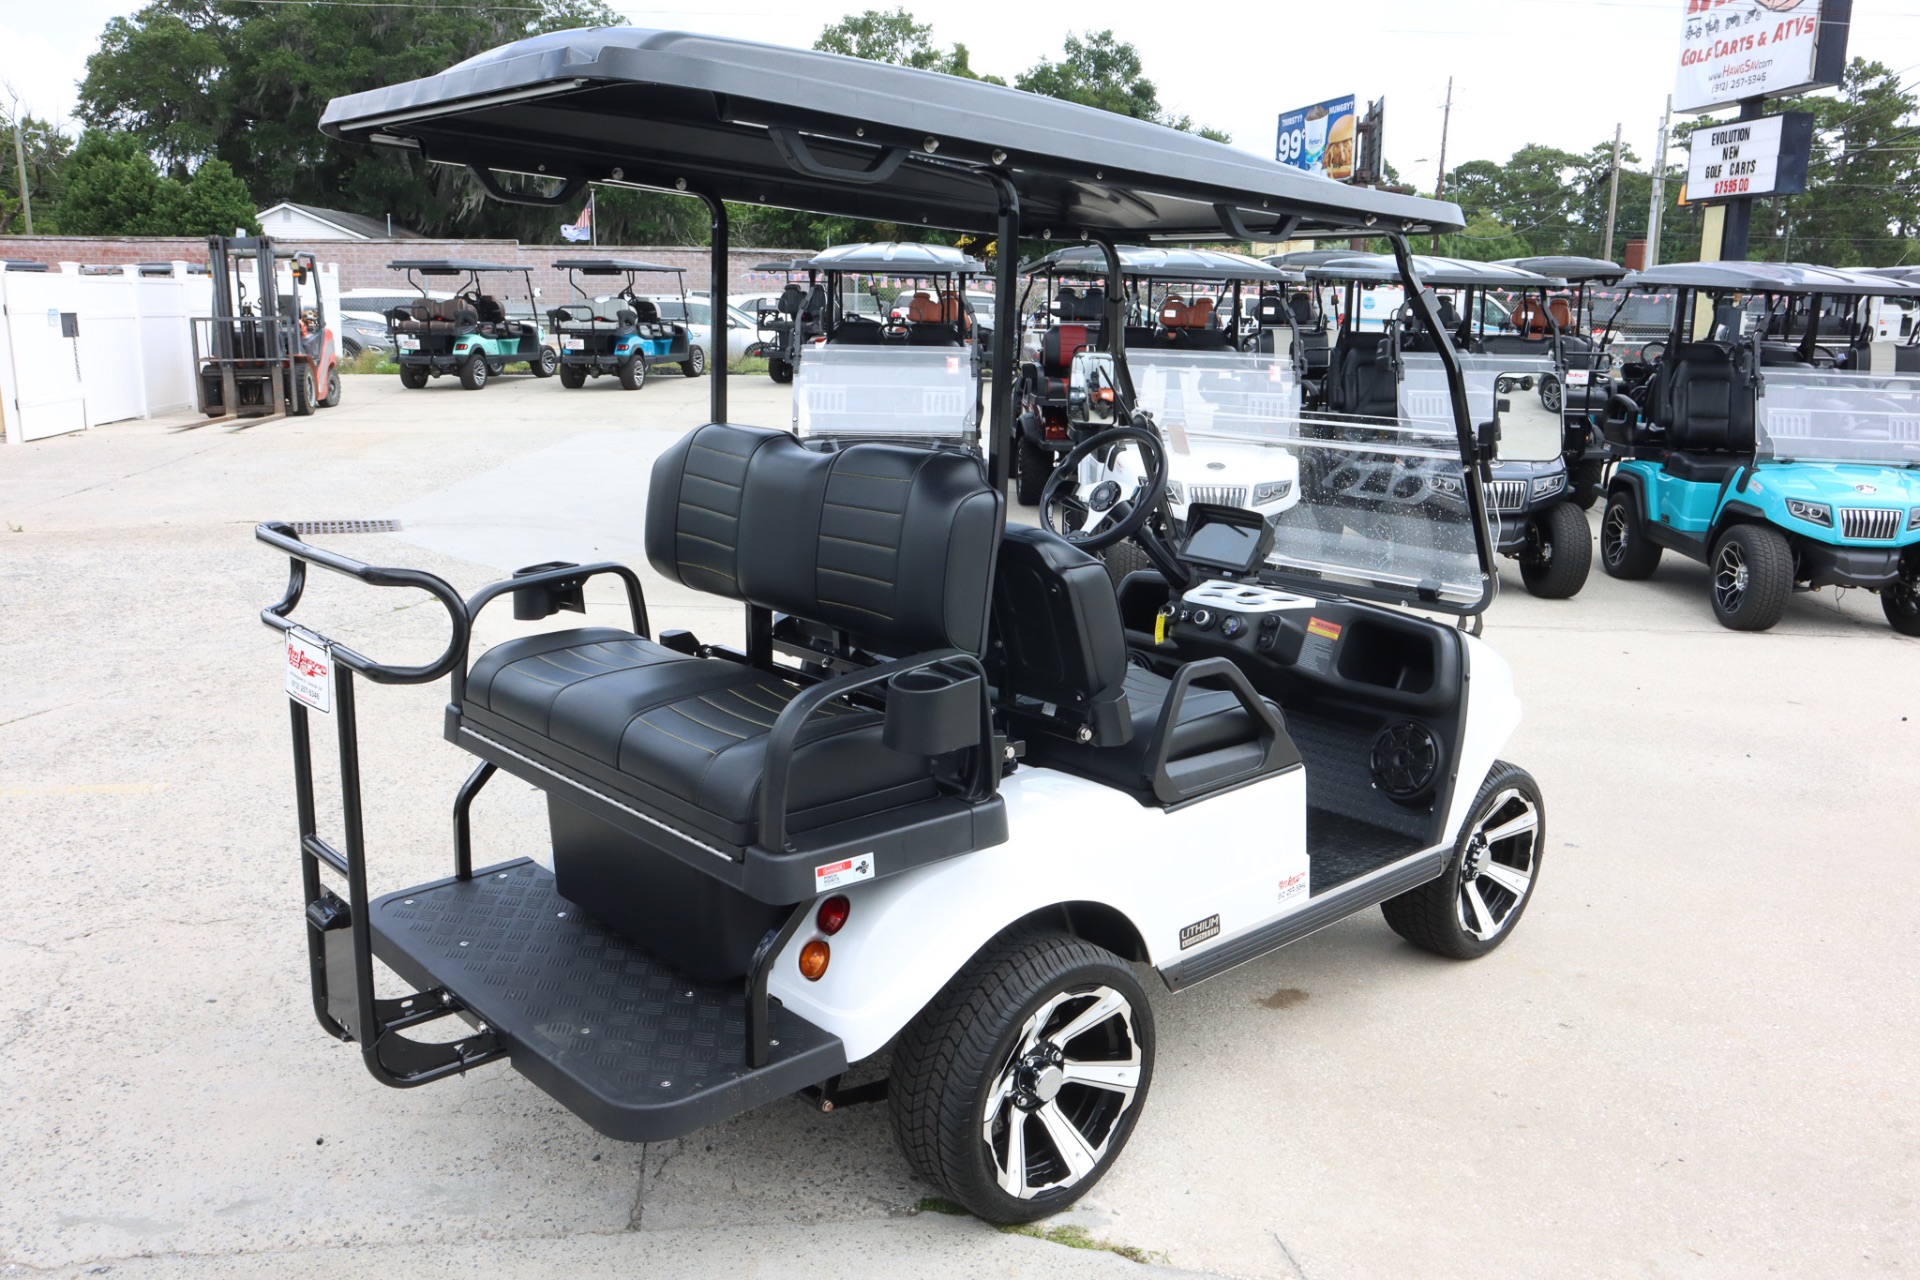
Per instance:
x=832, y=916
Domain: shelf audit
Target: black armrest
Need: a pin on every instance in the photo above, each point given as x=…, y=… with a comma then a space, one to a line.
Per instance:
x=786, y=731
x=1273, y=732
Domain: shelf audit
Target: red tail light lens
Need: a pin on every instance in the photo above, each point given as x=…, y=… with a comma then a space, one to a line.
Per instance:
x=832, y=916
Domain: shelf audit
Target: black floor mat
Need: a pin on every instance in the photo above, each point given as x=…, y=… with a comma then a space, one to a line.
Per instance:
x=1340, y=775
x=1340, y=849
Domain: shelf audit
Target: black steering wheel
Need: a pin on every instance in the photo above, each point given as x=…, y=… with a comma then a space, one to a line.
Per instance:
x=1095, y=514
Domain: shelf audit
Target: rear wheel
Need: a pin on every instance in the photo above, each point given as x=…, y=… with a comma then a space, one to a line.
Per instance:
x=544, y=364
x=1016, y=1088
x=474, y=372
x=306, y=396
x=633, y=372
x=1625, y=549
x=1035, y=465
x=1752, y=577
x=1558, y=554
x=779, y=370
x=413, y=376
x=334, y=389
x=695, y=364
x=1472, y=908
x=573, y=375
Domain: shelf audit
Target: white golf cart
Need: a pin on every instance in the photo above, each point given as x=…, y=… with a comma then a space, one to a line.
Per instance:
x=933, y=813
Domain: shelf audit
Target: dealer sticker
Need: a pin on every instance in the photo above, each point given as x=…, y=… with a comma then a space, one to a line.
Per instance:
x=310, y=671
x=408, y=343
x=1199, y=931
x=831, y=875
x=1293, y=886
x=1577, y=377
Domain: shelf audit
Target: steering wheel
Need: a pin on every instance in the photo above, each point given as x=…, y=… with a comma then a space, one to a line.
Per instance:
x=1095, y=510
x=895, y=327
x=1652, y=351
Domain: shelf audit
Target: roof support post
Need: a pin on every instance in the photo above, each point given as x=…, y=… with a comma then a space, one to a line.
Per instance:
x=1116, y=326
x=1006, y=332
x=717, y=280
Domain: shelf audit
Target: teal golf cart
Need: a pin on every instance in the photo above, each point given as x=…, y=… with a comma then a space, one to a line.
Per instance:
x=470, y=333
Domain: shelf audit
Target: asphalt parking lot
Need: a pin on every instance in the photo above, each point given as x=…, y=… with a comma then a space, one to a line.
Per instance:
x=1695, y=1057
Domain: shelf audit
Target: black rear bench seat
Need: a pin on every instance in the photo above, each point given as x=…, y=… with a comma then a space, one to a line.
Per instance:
x=891, y=545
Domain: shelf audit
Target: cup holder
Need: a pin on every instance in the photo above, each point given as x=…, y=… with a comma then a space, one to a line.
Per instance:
x=931, y=712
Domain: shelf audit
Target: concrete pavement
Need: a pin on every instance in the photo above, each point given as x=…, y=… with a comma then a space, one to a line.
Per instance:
x=1694, y=1058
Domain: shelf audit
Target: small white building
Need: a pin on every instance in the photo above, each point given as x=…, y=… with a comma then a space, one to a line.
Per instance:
x=290, y=221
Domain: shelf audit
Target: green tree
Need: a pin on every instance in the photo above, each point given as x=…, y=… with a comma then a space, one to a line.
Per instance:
x=113, y=189
x=896, y=38
x=1101, y=70
x=46, y=150
x=212, y=202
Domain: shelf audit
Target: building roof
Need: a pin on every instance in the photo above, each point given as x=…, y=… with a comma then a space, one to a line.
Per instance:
x=354, y=224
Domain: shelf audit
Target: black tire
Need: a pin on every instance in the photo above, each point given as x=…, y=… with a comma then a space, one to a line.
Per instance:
x=696, y=362
x=413, y=376
x=1589, y=482
x=1435, y=917
x=1123, y=558
x=544, y=364
x=306, y=396
x=349, y=349
x=334, y=389
x=633, y=372
x=1035, y=465
x=1752, y=570
x=573, y=375
x=1900, y=601
x=1625, y=550
x=474, y=372
x=1550, y=394
x=1558, y=554
x=951, y=1061
x=780, y=370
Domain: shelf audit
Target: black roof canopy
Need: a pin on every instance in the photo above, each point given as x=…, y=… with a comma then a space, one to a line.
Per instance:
x=610, y=266
x=1447, y=273
x=1572, y=269
x=797, y=128
x=1735, y=276
x=451, y=266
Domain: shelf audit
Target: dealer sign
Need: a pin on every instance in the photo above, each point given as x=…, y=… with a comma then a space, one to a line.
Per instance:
x=1764, y=157
x=1731, y=50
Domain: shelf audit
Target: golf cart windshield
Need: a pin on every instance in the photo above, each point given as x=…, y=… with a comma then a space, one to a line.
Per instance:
x=1832, y=415
x=929, y=394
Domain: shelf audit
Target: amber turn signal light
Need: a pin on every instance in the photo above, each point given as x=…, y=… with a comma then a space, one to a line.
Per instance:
x=832, y=916
x=813, y=960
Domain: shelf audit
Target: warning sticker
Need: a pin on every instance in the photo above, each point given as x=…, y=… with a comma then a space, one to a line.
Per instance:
x=1321, y=627
x=310, y=671
x=831, y=875
x=1316, y=653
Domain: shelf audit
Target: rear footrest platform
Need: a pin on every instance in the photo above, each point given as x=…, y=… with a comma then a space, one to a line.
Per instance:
x=636, y=1049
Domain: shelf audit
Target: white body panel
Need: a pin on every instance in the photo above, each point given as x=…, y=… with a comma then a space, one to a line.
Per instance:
x=1241, y=855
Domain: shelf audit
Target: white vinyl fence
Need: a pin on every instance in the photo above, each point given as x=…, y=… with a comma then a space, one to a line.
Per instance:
x=80, y=349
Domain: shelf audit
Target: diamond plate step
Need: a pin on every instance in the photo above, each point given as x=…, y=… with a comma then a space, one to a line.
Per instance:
x=636, y=1049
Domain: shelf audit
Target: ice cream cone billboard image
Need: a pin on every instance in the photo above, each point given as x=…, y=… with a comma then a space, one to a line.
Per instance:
x=1319, y=138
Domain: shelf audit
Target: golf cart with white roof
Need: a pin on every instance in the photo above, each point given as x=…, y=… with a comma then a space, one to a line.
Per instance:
x=1589, y=378
x=791, y=319
x=620, y=333
x=1399, y=374
x=950, y=826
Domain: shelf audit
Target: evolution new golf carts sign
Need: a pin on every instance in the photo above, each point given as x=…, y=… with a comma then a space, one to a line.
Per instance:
x=1764, y=157
x=1731, y=50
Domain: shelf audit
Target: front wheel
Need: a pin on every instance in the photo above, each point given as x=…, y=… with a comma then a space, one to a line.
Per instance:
x=779, y=370
x=1475, y=904
x=545, y=363
x=1558, y=554
x=306, y=396
x=1625, y=549
x=474, y=371
x=1589, y=481
x=1752, y=577
x=1901, y=600
x=1016, y=1088
x=1036, y=464
x=695, y=364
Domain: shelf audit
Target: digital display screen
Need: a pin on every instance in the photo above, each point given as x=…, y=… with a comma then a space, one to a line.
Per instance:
x=1224, y=546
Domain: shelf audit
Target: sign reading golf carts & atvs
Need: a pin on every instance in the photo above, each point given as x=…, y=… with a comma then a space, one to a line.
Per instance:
x=1732, y=50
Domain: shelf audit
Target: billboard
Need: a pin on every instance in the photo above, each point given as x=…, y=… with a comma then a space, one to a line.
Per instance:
x=1320, y=138
x=1764, y=157
x=1731, y=50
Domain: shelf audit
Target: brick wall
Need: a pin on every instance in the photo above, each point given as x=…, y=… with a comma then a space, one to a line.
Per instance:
x=363, y=263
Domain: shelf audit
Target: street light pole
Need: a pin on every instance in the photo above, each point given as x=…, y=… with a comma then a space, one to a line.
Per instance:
x=1657, y=207
x=1613, y=195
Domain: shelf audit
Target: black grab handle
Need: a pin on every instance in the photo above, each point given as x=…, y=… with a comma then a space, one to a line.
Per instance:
x=300, y=554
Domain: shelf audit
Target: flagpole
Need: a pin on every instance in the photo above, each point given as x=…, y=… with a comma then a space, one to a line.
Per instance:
x=593, y=223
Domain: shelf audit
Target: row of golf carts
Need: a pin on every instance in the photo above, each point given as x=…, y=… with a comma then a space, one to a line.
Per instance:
x=920, y=837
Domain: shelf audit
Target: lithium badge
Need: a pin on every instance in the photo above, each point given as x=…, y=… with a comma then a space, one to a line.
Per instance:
x=310, y=671
x=1199, y=931
x=831, y=875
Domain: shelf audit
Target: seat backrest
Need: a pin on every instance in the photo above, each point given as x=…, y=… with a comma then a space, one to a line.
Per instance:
x=644, y=312
x=890, y=543
x=488, y=308
x=1200, y=313
x=1057, y=637
x=1708, y=399
x=1302, y=307
x=1562, y=314
x=923, y=310
x=1175, y=314
x=791, y=299
x=1058, y=347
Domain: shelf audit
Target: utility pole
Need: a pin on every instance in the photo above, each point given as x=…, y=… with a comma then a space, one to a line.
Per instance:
x=20, y=159
x=1657, y=208
x=1613, y=195
x=1440, y=183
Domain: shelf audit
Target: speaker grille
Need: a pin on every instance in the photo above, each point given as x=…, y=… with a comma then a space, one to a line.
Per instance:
x=1405, y=760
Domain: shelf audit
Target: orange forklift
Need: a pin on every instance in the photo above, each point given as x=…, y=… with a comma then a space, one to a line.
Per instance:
x=263, y=353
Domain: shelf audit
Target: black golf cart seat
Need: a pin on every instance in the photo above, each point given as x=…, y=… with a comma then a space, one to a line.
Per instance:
x=1059, y=664
x=1361, y=378
x=1703, y=396
x=673, y=748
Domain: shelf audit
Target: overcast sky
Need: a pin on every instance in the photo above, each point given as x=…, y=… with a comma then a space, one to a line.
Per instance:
x=1560, y=72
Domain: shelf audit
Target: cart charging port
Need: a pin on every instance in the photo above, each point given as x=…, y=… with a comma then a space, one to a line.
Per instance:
x=544, y=599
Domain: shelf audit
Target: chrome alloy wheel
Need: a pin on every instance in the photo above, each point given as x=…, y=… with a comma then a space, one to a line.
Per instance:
x=1056, y=1102
x=1730, y=577
x=1496, y=871
x=1613, y=534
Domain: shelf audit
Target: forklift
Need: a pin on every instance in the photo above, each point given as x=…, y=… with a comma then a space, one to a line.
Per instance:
x=262, y=353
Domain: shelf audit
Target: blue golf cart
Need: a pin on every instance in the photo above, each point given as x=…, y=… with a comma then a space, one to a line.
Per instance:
x=1775, y=441
x=620, y=333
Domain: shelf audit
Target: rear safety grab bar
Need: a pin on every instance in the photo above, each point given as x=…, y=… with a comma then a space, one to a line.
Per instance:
x=1169, y=789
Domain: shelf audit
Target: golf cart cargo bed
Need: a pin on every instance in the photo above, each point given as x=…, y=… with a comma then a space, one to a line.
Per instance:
x=638, y=1050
